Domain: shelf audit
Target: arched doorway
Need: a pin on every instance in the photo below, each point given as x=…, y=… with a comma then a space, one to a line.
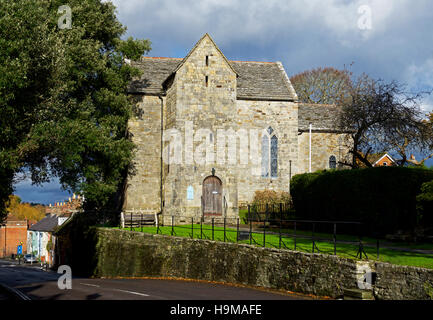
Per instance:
x=212, y=196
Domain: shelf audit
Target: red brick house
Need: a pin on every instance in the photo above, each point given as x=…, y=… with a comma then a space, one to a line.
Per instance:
x=378, y=160
x=384, y=161
x=12, y=234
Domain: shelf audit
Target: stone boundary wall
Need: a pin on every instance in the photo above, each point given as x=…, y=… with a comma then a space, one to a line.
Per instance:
x=120, y=253
x=135, y=254
x=394, y=282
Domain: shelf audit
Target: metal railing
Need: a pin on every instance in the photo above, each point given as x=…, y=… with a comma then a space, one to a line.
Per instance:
x=274, y=226
x=266, y=233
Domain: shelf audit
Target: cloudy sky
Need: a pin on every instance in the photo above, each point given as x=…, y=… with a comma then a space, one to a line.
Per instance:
x=387, y=39
x=45, y=194
x=395, y=44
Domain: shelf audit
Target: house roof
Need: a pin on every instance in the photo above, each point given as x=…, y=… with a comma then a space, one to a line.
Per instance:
x=47, y=224
x=155, y=71
x=374, y=158
x=380, y=156
x=263, y=81
x=323, y=117
x=256, y=80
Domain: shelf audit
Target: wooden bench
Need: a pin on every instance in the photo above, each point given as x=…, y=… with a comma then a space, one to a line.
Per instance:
x=138, y=218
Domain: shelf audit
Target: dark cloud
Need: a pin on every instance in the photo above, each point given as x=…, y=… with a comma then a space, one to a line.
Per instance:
x=301, y=34
x=45, y=194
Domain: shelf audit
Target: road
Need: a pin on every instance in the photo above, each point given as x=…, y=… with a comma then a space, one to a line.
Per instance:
x=42, y=285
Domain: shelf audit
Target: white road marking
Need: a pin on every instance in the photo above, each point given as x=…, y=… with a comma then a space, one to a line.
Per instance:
x=90, y=285
x=126, y=291
x=132, y=292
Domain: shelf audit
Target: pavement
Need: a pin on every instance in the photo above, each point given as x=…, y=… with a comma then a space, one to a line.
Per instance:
x=39, y=284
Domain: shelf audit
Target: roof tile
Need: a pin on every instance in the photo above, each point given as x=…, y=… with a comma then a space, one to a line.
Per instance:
x=257, y=80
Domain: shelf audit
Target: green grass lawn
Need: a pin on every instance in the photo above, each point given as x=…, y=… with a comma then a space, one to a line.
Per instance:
x=305, y=245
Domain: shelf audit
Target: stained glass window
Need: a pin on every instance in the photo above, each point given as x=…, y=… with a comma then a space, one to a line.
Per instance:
x=274, y=157
x=265, y=156
x=269, y=154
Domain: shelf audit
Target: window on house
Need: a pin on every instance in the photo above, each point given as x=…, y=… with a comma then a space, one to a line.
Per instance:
x=332, y=162
x=207, y=80
x=207, y=61
x=269, y=154
x=385, y=164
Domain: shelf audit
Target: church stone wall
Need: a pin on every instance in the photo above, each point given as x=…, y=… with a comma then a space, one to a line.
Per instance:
x=143, y=189
x=206, y=106
x=283, y=118
x=200, y=102
x=323, y=146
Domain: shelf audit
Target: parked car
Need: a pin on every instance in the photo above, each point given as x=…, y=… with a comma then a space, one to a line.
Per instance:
x=30, y=258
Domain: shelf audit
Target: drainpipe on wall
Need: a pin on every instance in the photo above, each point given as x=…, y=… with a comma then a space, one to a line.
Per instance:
x=161, y=162
x=311, y=128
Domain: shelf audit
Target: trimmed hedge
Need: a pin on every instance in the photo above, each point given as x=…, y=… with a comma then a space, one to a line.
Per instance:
x=382, y=198
x=425, y=205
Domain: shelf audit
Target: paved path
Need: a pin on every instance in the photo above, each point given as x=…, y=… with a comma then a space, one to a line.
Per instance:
x=42, y=285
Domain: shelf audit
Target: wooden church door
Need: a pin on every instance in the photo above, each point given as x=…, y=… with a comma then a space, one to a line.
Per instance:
x=212, y=196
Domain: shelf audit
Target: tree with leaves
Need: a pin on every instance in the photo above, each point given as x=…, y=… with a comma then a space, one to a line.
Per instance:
x=63, y=101
x=322, y=85
x=24, y=211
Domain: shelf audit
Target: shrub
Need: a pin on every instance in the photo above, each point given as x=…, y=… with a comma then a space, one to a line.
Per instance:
x=271, y=197
x=383, y=198
x=425, y=205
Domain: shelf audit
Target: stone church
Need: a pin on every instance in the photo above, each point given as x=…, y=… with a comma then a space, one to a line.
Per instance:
x=210, y=132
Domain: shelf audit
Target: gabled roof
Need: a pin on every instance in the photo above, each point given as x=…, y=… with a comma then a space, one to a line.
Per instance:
x=47, y=224
x=206, y=36
x=383, y=156
x=374, y=158
x=256, y=80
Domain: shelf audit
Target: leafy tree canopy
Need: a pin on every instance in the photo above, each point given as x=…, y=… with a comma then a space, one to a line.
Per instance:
x=322, y=85
x=63, y=101
x=24, y=211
